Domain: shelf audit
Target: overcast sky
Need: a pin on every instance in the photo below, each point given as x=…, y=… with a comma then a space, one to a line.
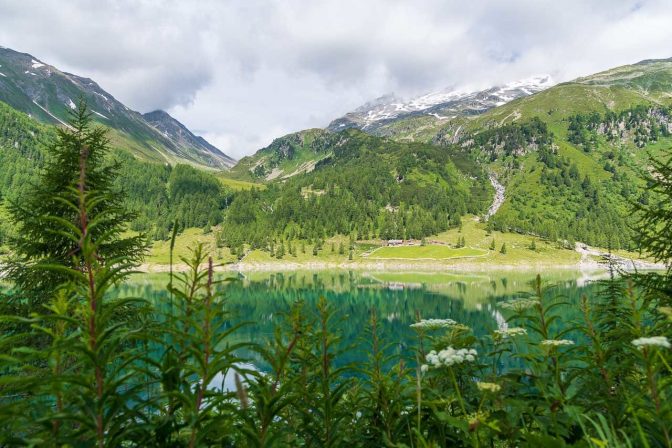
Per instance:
x=243, y=72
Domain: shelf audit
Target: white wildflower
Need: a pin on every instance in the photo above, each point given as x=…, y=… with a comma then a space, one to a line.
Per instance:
x=424, y=368
x=556, y=342
x=653, y=341
x=489, y=387
x=449, y=357
x=510, y=332
x=519, y=304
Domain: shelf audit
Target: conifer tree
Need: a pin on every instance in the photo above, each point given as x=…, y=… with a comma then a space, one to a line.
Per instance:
x=41, y=215
x=503, y=249
x=86, y=396
x=653, y=225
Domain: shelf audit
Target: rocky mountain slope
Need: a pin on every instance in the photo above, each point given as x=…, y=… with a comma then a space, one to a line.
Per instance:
x=183, y=137
x=48, y=94
x=444, y=104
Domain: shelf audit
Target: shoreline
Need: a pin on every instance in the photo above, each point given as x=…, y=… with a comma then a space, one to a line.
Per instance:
x=405, y=266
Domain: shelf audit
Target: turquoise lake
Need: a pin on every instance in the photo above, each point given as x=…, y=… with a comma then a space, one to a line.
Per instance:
x=259, y=299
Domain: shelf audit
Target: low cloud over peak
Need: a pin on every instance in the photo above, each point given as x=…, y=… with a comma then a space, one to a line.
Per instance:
x=245, y=71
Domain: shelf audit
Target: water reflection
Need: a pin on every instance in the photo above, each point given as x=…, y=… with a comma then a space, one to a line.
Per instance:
x=261, y=298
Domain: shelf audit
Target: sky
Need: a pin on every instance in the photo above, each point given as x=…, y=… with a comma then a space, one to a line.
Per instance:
x=241, y=73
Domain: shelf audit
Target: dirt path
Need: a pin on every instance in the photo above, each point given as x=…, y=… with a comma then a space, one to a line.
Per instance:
x=498, y=200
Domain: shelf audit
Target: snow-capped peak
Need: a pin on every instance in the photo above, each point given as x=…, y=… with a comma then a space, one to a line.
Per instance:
x=443, y=104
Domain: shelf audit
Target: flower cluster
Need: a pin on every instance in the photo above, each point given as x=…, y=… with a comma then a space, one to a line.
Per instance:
x=506, y=333
x=435, y=324
x=449, y=357
x=519, y=304
x=653, y=341
x=556, y=342
x=489, y=387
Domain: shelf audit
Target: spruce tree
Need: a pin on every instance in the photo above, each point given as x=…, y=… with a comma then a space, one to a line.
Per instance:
x=503, y=249
x=71, y=241
x=40, y=216
x=654, y=226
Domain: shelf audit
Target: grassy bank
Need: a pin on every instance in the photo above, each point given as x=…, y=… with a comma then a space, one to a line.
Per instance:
x=482, y=251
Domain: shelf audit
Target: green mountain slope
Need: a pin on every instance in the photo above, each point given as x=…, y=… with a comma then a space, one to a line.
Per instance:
x=362, y=185
x=289, y=155
x=159, y=193
x=48, y=94
x=570, y=157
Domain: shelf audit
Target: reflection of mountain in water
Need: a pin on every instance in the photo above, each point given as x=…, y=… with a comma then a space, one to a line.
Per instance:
x=262, y=298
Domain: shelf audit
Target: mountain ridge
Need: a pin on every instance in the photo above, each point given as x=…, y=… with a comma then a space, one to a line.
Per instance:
x=48, y=94
x=447, y=103
x=173, y=129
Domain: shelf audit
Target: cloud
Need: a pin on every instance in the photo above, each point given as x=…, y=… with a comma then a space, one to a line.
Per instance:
x=241, y=72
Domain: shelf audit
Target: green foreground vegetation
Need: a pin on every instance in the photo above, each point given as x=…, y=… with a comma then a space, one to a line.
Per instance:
x=81, y=366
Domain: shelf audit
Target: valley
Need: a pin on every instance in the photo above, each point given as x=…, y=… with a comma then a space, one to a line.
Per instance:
x=558, y=164
x=335, y=224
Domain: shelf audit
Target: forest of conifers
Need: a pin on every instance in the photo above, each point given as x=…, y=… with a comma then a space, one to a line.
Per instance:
x=368, y=188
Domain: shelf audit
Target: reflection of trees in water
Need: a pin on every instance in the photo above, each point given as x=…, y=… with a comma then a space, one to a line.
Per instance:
x=262, y=301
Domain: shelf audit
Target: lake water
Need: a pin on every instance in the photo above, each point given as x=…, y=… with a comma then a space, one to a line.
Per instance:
x=261, y=298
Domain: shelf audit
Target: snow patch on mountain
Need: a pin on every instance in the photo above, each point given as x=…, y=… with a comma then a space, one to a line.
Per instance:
x=444, y=104
x=99, y=114
x=71, y=105
x=36, y=64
